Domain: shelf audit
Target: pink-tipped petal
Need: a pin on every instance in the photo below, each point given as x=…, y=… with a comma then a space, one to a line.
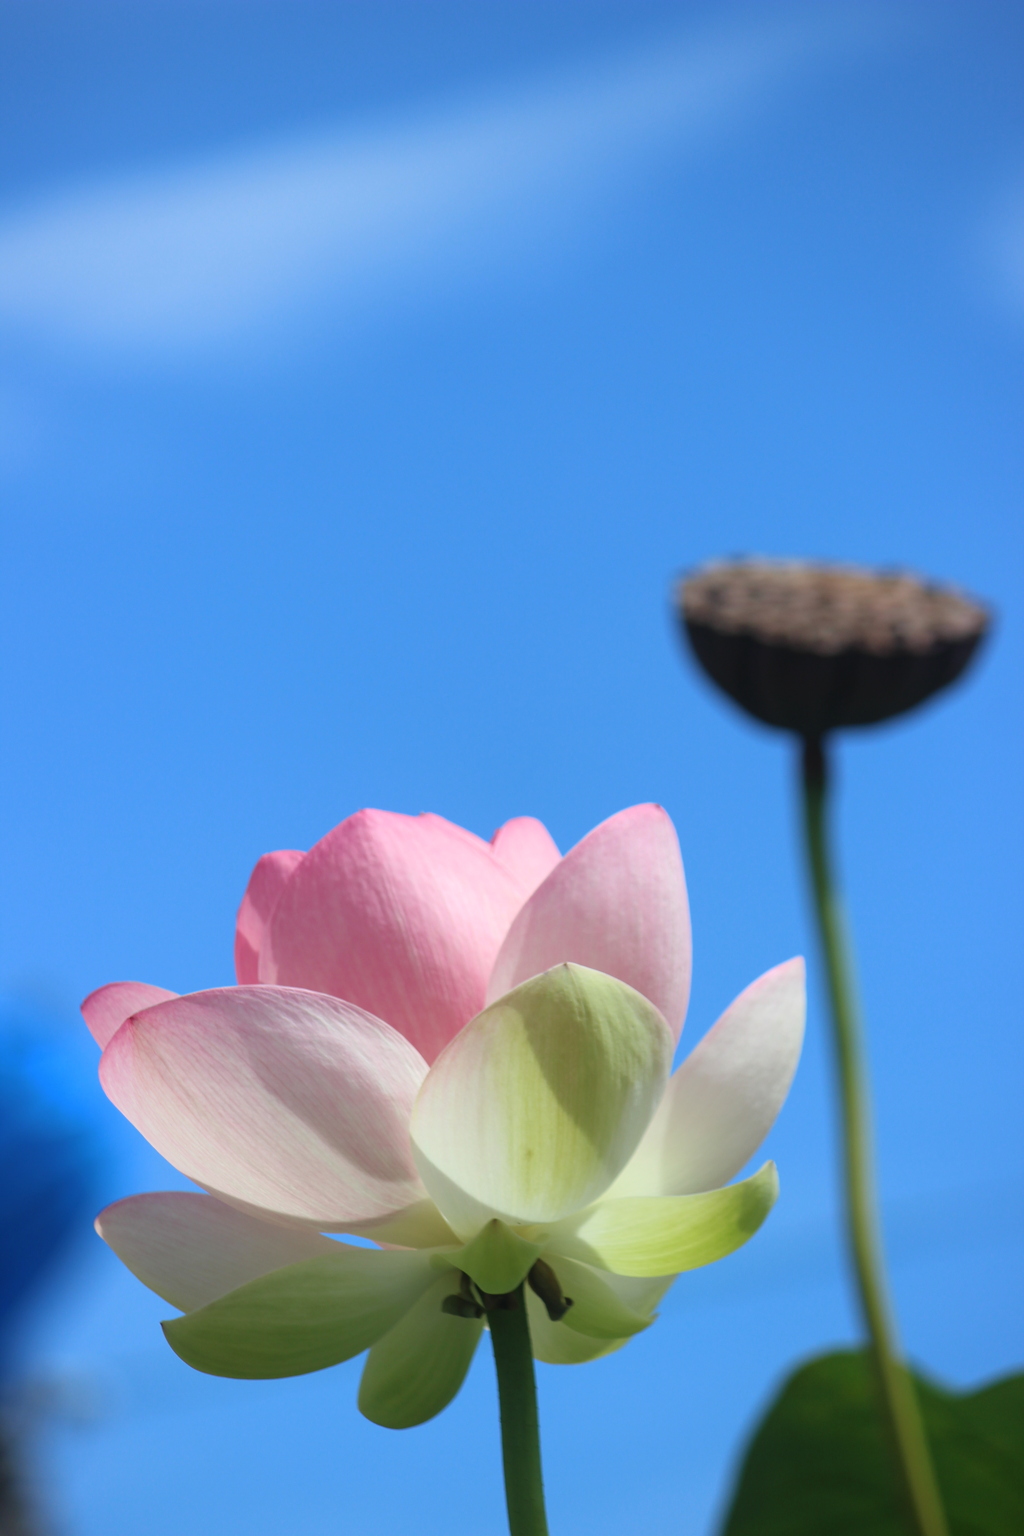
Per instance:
x=616, y=903
x=106, y=1009
x=721, y=1104
x=190, y=1248
x=402, y=915
x=528, y=851
x=262, y=894
x=280, y=1101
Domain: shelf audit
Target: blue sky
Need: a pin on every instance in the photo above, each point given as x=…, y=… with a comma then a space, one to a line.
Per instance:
x=368, y=373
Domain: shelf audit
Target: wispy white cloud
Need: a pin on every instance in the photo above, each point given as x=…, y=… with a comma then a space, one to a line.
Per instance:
x=177, y=262
x=1003, y=243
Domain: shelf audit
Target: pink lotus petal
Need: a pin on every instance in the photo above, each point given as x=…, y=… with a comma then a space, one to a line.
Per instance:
x=280, y=1101
x=616, y=903
x=262, y=894
x=401, y=915
x=191, y=1248
x=527, y=850
x=448, y=828
x=106, y=1009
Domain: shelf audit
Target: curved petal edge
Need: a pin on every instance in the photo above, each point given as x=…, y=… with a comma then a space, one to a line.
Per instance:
x=287, y=1103
x=615, y=903
x=106, y=1009
x=724, y=1099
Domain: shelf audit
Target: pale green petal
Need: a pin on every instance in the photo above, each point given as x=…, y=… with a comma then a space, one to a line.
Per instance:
x=419, y=1365
x=305, y=1317
x=556, y=1344
x=535, y=1107
x=497, y=1259
x=663, y=1235
x=420, y=1225
x=462, y=1214
x=597, y=1310
x=640, y=1293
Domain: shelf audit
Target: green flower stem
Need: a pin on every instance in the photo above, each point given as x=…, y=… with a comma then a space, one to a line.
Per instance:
x=901, y=1410
x=520, y=1429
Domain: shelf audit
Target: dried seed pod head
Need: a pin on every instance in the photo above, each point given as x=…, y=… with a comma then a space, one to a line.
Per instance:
x=810, y=648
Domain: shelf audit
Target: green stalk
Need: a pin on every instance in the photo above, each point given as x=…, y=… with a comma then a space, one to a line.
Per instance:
x=520, y=1429
x=902, y=1414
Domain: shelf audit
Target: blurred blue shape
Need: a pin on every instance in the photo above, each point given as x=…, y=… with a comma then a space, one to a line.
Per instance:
x=49, y=1158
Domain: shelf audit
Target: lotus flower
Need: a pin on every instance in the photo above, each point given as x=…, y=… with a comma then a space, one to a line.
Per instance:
x=460, y=1050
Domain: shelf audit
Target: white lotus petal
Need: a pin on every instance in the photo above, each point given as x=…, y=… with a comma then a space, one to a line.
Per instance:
x=536, y=1106
x=721, y=1104
x=190, y=1248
